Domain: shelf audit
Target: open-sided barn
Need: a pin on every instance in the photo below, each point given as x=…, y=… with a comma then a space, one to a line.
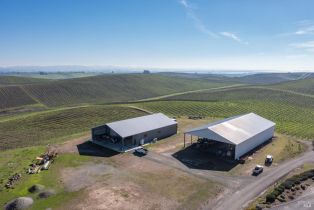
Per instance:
x=237, y=135
x=128, y=134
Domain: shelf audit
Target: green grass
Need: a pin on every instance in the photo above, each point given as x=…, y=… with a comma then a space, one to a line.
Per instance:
x=252, y=93
x=13, y=161
x=14, y=96
x=111, y=88
x=14, y=80
x=271, y=78
x=99, y=90
x=54, y=75
x=57, y=125
x=293, y=120
x=303, y=86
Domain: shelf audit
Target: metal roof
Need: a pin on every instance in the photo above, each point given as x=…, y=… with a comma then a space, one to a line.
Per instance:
x=233, y=130
x=142, y=124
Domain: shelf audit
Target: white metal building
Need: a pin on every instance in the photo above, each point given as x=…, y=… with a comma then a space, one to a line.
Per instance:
x=128, y=134
x=243, y=133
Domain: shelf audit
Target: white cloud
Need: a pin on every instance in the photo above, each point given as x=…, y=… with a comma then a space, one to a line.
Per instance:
x=232, y=36
x=305, y=30
x=198, y=23
x=304, y=27
x=308, y=46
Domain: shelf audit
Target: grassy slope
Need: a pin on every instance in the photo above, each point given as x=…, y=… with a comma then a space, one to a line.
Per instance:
x=289, y=119
x=258, y=78
x=50, y=126
x=13, y=80
x=303, y=86
x=14, y=96
x=269, y=78
x=55, y=75
x=17, y=160
x=250, y=93
x=99, y=89
x=111, y=88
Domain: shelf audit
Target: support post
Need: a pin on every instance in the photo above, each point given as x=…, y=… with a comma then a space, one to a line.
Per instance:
x=184, y=140
x=191, y=139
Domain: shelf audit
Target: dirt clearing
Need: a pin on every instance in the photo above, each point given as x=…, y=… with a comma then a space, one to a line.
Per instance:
x=129, y=182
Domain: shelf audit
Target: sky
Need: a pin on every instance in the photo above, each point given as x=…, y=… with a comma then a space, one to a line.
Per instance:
x=274, y=35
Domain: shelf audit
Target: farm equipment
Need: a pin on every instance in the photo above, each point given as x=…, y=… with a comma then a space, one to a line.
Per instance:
x=43, y=161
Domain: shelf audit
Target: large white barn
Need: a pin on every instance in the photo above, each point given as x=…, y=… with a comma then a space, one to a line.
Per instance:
x=241, y=133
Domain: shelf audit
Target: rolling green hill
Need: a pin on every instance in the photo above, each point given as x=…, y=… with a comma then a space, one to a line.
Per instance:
x=289, y=104
x=252, y=93
x=104, y=89
x=258, y=78
x=303, y=86
x=272, y=78
x=293, y=112
x=293, y=120
x=14, y=80
x=50, y=126
x=14, y=96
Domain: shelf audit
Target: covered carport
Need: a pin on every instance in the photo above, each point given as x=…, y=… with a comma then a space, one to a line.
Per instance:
x=234, y=136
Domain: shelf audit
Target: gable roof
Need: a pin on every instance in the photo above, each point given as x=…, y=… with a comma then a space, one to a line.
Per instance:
x=233, y=130
x=142, y=124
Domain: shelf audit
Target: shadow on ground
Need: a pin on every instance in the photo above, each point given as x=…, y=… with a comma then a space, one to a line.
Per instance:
x=89, y=149
x=196, y=159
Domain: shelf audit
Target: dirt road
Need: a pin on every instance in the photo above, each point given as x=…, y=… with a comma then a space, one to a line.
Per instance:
x=304, y=202
x=239, y=199
x=228, y=181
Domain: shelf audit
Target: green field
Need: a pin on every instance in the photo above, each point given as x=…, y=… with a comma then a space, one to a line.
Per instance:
x=17, y=160
x=293, y=120
x=14, y=96
x=36, y=113
x=303, y=86
x=253, y=93
x=52, y=126
x=13, y=80
x=99, y=89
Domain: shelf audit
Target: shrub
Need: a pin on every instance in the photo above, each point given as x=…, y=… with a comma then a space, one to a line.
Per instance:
x=280, y=189
x=287, y=184
x=282, y=199
x=270, y=198
x=276, y=193
x=304, y=178
x=308, y=174
x=291, y=197
x=303, y=187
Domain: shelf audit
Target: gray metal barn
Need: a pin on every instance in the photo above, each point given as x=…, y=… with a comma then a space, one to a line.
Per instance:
x=240, y=134
x=126, y=135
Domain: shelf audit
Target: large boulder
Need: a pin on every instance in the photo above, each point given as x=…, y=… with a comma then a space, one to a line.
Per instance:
x=36, y=188
x=19, y=203
x=46, y=194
